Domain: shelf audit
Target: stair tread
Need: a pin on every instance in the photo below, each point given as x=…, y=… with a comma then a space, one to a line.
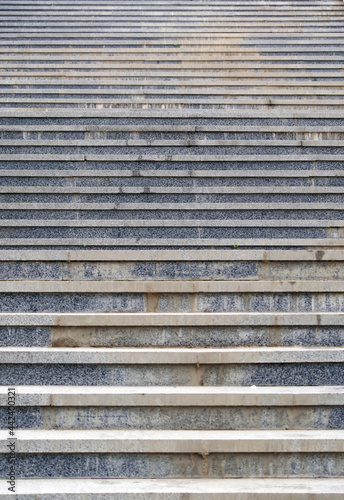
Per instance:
x=182, y=396
x=170, y=356
x=196, y=489
x=175, y=441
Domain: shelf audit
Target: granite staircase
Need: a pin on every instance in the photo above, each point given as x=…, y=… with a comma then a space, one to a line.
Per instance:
x=171, y=249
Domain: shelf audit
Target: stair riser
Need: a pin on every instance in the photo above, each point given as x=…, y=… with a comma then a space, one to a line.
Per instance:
x=173, y=302
x=192, y=122
x=171, y=337
x=181, y=271
x=168, y=135
x=211, y=214
x=203, y=418
x=150, y=181
x=170, y=375
x=261, y=163
x=316, y=105
x=178, y=233
x=155, y=198
x=177, y=465
x=175, y=150
x=191, y=337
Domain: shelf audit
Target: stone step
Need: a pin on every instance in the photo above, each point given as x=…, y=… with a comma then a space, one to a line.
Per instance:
x=178, y=104
x=239, y=366
x=168, y=99
x=174, y=408
x=174, y=207
x=263, y=13
x=220, y=39
x=173, y=319
x=146, y=441
x=166, y=453
x=185, y=417
x=180, y=22
x=189, y=408
x=170, y=133
x=157, y=177
x=172, y=356
x=84, y=396
x=245, y=10
x=173, y=237
x=221, y=147
x=170, y=243
x=172, y=265
x=183, y=25
x=194, y=330
x=288, y=50
x=215, y=67
x=309, y=155
x=182, y=74
x=336, y=145
x=178, y=42
x=155, y=190
x=209, y=163
x=159, y=18
x=173, y=85
x=165, y=296
x=176, y=57
x=251, y=115
x=156, y=7
x=166, y=286
x=174, y=256
x=182, y=211
x=177, y=489
x=156, y=4
x=149, y=168
x=148, y=201
x=167, y=30
x=32, y=334
x=228, y=49
x=76, y=223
